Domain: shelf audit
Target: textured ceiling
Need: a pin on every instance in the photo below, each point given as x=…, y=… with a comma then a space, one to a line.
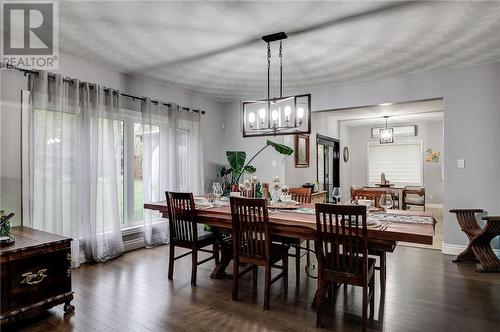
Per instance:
x=214, y=48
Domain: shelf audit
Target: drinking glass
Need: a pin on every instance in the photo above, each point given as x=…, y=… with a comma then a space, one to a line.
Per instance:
x=217, y=190
x=386, y=201
x=337, y=193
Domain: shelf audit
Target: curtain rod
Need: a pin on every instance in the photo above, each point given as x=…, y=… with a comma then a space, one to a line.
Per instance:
x=66, y=80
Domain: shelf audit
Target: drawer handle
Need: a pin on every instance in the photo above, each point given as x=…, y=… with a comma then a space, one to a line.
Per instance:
x=31, y=278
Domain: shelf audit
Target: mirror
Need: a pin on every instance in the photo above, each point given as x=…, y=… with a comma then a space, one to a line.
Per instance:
x=302, y=150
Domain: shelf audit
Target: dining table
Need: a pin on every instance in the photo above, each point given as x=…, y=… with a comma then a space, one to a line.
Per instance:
x=393, y=226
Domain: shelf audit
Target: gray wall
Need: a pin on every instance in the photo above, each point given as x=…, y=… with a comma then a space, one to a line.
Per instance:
x=431, y=134
x=471, y=129
x=10, y=118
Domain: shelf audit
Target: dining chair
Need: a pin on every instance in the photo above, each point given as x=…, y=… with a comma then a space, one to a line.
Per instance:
x=373, y=195
x=342, y=253
x=252, y=245
x=301, y=195
x=413, y=196
x=184, y=233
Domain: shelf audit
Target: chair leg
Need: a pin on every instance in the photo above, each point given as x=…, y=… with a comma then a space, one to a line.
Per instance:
x=194, y=268
x=267, y=286
x=235, y=279
x=216, y=253
x=372, y=299
x=297, y=264
x=365, y=306
x=171, y=256
x=285, y=274
x=383, y=259
x=319, y=303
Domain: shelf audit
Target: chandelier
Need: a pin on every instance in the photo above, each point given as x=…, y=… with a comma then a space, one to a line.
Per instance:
x=277, y=115
x=386, y=134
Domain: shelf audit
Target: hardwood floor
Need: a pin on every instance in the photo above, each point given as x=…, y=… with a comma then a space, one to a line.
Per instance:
x=425, y=292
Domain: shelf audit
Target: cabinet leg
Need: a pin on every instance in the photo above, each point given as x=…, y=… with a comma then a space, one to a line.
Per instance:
x=68, y=307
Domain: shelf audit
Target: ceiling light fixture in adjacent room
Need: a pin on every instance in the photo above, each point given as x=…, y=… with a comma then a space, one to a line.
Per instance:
x=277, y=115
x=386, y=134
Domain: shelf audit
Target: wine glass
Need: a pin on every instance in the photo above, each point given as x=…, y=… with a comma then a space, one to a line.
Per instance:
x=217, y=190
x=386, y=202
x=337, y=193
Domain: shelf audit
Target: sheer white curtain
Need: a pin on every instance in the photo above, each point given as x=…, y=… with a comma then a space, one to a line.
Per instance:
x=75, y=163
x=54, y=158
x=100, y=172
x=172, y=162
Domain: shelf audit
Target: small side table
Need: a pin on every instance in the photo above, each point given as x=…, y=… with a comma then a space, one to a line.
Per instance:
x=479, y=248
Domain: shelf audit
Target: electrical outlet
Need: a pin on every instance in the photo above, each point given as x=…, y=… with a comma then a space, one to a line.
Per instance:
x=461, y=163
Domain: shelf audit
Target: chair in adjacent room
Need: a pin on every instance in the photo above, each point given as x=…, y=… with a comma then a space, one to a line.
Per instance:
x=413, y=196
x=252, y=245
x=184, y=233
x=342, y=253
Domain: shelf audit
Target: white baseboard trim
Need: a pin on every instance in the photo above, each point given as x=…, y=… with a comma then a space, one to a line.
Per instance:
x=454, y=249
x=434, y=206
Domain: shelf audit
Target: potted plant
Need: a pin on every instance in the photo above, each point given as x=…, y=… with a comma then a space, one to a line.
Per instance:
x=239, y=166
x=5, y=228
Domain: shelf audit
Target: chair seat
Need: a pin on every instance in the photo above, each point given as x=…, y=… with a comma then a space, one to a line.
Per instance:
x=338, y=275
x=414, y=200
x=278, y=252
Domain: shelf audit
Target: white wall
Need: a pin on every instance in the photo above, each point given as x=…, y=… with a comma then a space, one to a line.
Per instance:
x=431, y=134
x=471, y=129
x=12, y=82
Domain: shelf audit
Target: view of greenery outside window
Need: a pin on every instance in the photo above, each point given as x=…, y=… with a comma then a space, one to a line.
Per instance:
x=150, y=134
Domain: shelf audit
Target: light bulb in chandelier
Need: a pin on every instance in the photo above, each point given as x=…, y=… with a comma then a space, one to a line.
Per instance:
x=274, y=115
x=288, y=110
x=251, y=119
x=300, y=114
x=262, y=115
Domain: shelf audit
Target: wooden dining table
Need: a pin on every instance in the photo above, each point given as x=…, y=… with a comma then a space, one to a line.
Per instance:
x=303, y=226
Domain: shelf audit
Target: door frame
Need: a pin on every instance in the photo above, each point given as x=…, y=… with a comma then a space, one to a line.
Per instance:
x=326, y=140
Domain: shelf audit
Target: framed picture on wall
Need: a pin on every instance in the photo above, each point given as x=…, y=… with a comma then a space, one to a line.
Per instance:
x=302, y=150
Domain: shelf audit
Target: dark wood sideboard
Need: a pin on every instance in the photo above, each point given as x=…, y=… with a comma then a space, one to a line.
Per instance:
x=35, y=274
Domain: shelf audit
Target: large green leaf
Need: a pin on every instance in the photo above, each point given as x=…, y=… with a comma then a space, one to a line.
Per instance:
x=250, y=169
x=236, y=160
x=280, y=148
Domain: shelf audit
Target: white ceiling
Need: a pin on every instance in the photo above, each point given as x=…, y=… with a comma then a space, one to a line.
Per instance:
x=400, y=113
x=214, y=48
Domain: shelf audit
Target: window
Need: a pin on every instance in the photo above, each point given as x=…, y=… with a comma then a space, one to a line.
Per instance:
x=182, y=138
x=402, y=163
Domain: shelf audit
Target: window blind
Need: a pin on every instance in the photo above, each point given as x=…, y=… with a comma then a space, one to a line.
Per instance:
x=401, y=163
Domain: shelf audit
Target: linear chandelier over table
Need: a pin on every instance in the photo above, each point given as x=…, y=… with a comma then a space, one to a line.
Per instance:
x=278, y=115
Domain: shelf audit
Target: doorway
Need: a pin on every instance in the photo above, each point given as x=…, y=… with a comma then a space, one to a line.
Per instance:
x=328, y=165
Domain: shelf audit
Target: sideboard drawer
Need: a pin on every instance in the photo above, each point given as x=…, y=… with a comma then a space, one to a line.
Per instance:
x=29, y=280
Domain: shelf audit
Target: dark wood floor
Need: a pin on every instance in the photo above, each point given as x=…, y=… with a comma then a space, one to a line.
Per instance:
x=425, y=292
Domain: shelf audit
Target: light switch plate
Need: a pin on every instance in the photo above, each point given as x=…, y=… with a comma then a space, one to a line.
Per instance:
x=274, y=162
x=461, y=163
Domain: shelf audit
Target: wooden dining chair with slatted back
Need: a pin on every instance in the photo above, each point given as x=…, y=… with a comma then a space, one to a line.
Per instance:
x=377, y=248
x=301, y=195
x=252, y=244
x=373, y=195
x=184, y=233
x=342, y=253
